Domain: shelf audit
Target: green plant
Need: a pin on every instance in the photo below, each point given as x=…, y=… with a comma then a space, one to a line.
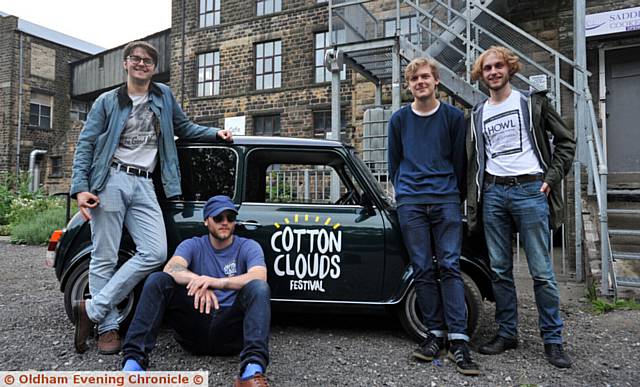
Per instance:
x=601, y=305
x=36, y=230
x=591, y=294
x=11, y=189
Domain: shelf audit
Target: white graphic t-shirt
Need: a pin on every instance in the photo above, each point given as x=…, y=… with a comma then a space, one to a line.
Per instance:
x=507, y=145
x=139, y=141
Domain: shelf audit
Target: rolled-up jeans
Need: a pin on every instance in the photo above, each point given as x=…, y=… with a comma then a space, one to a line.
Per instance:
x=442, y=305
x=130, y=201
x=525, y=207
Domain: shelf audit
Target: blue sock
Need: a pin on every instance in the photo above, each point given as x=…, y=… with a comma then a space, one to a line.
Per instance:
x=132, y=365
x=250, y=370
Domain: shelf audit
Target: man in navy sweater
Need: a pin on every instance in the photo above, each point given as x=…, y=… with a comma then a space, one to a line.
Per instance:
x=426, y=166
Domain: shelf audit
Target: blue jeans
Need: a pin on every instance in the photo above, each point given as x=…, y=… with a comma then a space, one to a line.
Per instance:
x=444, y=303
x=526, y=208
x=242, y=327
x=130, y=201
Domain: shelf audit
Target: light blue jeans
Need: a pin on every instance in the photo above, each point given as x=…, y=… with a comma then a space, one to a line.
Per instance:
x=525, y=207
x=130, y=201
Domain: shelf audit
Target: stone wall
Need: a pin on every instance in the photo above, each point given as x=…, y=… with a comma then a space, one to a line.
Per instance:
x=46, y=71
x=235, y=38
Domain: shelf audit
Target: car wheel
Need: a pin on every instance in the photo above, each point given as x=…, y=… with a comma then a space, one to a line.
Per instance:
x=411, y=319
x=77, y=289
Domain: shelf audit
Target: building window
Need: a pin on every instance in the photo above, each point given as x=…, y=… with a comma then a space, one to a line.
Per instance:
x=209, y=13
x=266, y=125
x=323, y=42
x=408, y=28
x=265, y=7
x=78, y=111
x=209, y=74
x=322, y=123
x=268, y=65
x=56, y=166
x=40, y=110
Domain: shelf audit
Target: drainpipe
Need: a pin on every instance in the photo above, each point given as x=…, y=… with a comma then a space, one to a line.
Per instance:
x=34, y=169
x=182, y=57
x=19, y=129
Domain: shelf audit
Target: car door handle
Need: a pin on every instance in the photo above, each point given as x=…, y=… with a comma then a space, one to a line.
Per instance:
x=249, y=224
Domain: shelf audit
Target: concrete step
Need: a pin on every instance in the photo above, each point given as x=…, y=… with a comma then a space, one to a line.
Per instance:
x=626, y=255
x=624, y=232
x=623, y=211
x=633, y=282
x=624, y=195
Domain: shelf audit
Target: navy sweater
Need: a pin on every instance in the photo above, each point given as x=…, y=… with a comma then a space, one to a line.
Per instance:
x=427, y=155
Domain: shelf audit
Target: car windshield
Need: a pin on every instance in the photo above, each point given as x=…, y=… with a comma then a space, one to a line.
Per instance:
x=375, y=180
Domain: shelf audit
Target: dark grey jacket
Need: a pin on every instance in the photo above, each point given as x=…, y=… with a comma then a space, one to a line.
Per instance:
x=556, y=162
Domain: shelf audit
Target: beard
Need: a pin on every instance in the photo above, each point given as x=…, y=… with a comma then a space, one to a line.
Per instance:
x=221, y=236
x=499, y=86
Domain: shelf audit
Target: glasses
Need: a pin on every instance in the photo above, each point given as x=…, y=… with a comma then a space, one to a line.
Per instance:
x=231, y=217
x=136, y=59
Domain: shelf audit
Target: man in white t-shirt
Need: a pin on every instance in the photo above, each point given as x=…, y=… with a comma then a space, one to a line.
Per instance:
x=128, y=135
x=514, y=180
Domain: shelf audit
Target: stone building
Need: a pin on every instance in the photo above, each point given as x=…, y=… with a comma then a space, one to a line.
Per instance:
x=260, y=61
x=34, y=94
x=258, y=66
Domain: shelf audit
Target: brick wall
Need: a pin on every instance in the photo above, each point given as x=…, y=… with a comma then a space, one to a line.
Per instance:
x=48, y=74
x=235, y=39
x=8, y=90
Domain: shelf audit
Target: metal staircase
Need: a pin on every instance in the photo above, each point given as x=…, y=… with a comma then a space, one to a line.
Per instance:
x=382, y=37
x=624, y=231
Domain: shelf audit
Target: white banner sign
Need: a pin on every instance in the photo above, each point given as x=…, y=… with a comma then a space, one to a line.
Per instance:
x=613, y=21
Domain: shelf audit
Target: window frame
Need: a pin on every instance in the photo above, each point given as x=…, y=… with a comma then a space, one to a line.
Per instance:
x=37, y=100
x=264, y=116
x=53, y=172
x=340, y=38
x=274, y=4
x=347, y=173
x=82, y=114
x=204, y=11
x=236, y=176
x=410, y=34
x=260, y=61
x=325, y=112
x=213, y=81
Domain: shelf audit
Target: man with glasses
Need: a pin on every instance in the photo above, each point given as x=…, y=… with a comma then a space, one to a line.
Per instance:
x=213, y=293
x=128, y=135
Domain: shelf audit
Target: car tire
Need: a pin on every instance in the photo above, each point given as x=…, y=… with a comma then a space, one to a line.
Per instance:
x=411, y=320
x=77, y=289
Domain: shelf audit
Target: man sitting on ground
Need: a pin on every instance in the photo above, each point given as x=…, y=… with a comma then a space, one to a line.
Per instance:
x=213, y=293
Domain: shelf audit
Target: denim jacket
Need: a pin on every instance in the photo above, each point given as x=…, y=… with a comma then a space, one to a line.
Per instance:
x=100, y=137
x=541, y=120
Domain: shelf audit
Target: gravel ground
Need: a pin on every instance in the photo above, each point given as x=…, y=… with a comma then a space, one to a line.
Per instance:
x=308, y=351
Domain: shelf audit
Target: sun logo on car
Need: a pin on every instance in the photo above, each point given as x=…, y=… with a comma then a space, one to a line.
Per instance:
x=317, y=219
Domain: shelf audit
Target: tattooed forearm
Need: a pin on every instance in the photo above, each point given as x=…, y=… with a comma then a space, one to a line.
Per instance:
x=175, y=268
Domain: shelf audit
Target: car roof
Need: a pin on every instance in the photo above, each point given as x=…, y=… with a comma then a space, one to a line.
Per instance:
x=273, y=141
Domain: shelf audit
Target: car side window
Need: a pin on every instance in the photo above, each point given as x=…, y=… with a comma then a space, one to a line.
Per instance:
x=207, y=171
x=299, y=177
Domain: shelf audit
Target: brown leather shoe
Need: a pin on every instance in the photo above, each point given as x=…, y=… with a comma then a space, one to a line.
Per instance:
x=83, y=326
x=109, y=343
x=257, y=380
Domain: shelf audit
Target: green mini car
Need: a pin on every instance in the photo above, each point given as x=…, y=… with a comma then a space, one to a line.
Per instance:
x=330, y=235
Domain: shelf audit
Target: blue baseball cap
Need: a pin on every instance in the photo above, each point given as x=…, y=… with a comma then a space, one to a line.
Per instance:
x=216, y=205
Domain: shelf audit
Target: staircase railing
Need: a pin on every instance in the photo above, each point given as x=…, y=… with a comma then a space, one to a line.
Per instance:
x=455, y=32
